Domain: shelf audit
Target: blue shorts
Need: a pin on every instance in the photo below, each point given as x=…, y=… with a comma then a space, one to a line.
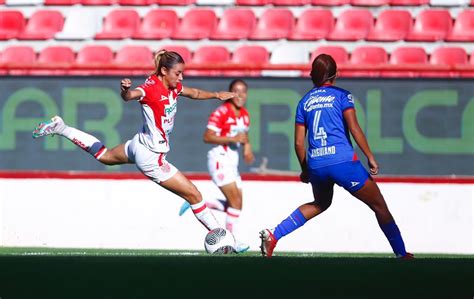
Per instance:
x=350, y=175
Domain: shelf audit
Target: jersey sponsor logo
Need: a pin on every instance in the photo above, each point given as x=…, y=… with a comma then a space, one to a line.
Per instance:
x=170, y=109
x=318, y=102
x=323, y=151
x=353, y=184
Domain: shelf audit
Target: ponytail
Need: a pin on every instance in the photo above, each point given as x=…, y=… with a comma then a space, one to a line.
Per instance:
x=323, y=69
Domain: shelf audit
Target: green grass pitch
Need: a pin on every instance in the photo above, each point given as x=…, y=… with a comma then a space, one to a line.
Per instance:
x=115, y=273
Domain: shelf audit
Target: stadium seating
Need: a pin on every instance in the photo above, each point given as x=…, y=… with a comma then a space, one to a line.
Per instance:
x=273, y=24
x=449, y=2
x=431, y=25
x=94, y=55
x=99, y=2
x=366, y=56
x=403, y=57
x=119, y=24
x=42, y=25
x=61, y=2
x=76, y=27
x=24, y=55
x=11, y=24
x=181, y=50
x=449, y=56
x=235, y=24
x=339, y=54
x=290, y=2
x=208, y=55
x=352, y=25
x=196, y=24
x=23, y=2
x=330, y=2
x=139, y=55
x=157, y=24
x=313, y=24
x=56, y=54
x=408, y=2
x=391, y=25
x=463, y=29
x=287, y=54
x=215, y=2
x=370, y=2
x=254, y=55
x=253, y=2
x=175, y=2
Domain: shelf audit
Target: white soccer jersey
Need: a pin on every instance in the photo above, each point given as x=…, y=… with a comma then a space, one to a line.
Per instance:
x=159, y=106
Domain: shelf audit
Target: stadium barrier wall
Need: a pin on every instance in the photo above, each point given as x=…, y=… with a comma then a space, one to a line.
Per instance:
x=97, y=213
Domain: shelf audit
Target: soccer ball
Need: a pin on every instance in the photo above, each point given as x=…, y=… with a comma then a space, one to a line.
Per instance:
x=219, y=241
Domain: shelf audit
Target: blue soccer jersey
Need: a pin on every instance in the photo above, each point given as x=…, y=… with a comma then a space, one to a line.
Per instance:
x=320, y=111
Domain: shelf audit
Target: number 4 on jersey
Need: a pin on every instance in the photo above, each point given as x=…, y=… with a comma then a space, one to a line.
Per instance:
x=319, y=132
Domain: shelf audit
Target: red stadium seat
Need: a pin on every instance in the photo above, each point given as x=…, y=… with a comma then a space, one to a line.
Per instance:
x=136, y=2
x=352, y=25
x=181, y=50
x=140, y=55
x=42, y=25
x=368, y=56
x=196, y=24
x=274, y=24
x=61, y=2
x=313, y=24
x=409, y=2
x=431, y=25
x=19, y=54
x=404, y=56
x=99, y=2
x=463, y=29
x=157, y=24
x=12, y=23
x=175, y=2
x=369, y=2
x=253, y=2
x=391, y=25
x=56, y=54
x=119, y=24
x=235, y=24
x=329, y=2
x=449, y=56
x=290, y=2
x=249, y=55
x=209, y=55
x=95, y=55
x=339, y=54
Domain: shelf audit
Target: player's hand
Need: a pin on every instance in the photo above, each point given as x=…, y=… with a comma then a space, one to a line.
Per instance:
x=226, y=95
x=241, y=138
x=304, y=176
x=125, y=84
x=248, y=156
x=373, y=166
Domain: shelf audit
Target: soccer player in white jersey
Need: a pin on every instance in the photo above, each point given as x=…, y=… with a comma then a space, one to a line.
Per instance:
x=158, y=97
x=227, y=129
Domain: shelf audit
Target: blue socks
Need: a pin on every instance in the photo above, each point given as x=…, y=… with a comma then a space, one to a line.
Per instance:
x=394, y=237
x=293, y=222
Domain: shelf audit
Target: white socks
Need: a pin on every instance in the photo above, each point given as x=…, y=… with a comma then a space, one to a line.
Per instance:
x=232, y=217
x=85, y=141
x=204, y=215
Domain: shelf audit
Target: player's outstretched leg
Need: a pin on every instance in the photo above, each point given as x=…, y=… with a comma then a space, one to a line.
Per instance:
x=56, y=126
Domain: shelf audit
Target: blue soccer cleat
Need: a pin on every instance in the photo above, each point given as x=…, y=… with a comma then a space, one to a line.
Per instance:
x=184, y=208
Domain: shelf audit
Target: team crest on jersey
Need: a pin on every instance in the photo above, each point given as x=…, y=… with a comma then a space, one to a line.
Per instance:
x=149, y=81
x=164, y=98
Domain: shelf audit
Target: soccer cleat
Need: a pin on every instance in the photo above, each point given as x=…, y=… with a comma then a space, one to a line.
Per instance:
x=241, y=247
x=184, y=207
x=268, y=242
x=50, y=127
x=408, y=256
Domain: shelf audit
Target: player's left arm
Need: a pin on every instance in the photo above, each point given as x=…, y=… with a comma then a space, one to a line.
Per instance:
x=359, y=137
x=200, y=94
x=248, y=153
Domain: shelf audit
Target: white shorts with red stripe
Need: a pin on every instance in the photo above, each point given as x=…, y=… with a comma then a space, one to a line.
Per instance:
x=223, y=166
x=151, y=164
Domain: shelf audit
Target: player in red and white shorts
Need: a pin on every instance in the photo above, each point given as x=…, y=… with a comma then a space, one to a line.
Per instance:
x=228, y=128
x=158, y=97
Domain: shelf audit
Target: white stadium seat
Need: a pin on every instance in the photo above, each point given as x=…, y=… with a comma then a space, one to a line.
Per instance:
x=77, y=27
x=287, y=54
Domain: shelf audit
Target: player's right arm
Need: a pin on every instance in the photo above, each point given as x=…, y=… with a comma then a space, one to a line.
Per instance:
x=211, y=137
x=359, y=137
x=126, y=93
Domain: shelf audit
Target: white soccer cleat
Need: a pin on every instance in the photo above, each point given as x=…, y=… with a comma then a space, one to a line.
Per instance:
x=268, y=242
x=241, y=247
x=50, y=127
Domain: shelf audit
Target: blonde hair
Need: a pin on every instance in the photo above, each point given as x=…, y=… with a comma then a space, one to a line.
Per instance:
x=166, y=59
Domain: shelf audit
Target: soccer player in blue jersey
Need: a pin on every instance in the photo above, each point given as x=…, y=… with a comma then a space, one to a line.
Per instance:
x=326, y=116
